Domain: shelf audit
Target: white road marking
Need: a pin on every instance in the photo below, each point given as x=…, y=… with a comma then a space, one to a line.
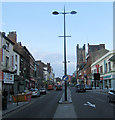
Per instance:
x=90, y=104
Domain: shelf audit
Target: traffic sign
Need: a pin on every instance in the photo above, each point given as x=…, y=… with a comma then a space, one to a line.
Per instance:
x=65, y=78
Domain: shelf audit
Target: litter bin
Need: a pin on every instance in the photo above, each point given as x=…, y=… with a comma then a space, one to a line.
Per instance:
x=4, y=103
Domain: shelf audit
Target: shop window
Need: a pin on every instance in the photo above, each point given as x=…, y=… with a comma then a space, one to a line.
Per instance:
x=105, y=84
x=109, y=83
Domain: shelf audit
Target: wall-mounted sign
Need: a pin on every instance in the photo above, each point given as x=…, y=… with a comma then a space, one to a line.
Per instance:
x=8, y=78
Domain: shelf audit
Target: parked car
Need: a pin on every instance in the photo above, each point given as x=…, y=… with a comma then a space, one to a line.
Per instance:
x=111, y=96
x=88, y=87
x=59, y=87
x=80, y=88
x=42, y=91
x=35, y=92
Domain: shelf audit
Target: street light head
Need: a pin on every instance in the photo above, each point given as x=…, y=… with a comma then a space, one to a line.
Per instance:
x=55, y=13
x=73, y=12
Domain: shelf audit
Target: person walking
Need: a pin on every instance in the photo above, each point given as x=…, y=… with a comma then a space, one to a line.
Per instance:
x=4, y=99
x=11, y=93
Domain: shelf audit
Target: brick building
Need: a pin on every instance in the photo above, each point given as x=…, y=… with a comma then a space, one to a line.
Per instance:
x=24, y=76
x=84, y=62
x=7, y=63
x=94, y=53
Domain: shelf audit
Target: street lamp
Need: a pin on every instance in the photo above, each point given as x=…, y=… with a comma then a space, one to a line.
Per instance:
x=65, y=73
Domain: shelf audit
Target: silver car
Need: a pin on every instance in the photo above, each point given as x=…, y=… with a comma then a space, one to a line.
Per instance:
x=42, y=91
x=35, y=92
x=111, y=96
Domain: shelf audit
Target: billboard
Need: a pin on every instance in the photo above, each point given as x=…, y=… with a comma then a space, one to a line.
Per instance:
x=8, y=78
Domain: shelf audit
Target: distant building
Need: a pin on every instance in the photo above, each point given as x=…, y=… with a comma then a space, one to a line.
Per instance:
x=80, y=61
x=58, y=79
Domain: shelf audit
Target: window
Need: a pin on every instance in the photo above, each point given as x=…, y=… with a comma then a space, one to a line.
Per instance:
x=106, y=68
x=101, y=69
x=12, y=62
x=16, y=58
x=109, y=83
x=7, y=46
x=109, y=65
x=95, y=71
x=7, y=62
x=16, y=67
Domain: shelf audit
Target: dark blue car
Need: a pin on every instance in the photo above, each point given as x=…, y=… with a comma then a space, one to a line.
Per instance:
x=88, y=87
x=80, y=88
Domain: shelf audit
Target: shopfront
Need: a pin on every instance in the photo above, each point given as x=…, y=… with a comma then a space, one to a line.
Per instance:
x=8, y=82
x=107, y=82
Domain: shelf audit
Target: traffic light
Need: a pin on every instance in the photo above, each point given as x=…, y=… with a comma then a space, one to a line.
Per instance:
x=96, y=76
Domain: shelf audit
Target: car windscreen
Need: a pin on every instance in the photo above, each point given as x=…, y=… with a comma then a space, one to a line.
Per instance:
x=81, y=86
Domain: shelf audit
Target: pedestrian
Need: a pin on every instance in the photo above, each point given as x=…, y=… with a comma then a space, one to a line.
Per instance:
x=11, y=93
x=107, y=87
x=4, y=99
x=5, y=93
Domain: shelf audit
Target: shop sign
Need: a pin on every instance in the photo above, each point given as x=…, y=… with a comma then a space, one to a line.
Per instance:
x=8, y=78
x=107, y=77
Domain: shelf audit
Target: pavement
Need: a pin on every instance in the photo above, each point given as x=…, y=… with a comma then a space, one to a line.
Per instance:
x=13, y=106
x=65, y=109
x=69, y=100
x=100, y=90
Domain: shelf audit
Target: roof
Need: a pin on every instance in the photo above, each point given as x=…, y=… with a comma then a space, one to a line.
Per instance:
x=112, y=58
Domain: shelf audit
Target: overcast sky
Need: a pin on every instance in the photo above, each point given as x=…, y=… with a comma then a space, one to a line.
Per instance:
x=38, y=29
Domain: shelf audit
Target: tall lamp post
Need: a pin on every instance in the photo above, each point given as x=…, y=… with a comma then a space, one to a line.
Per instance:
x=65, y=67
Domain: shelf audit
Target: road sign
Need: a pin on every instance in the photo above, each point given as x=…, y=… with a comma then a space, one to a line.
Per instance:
x=65, y=78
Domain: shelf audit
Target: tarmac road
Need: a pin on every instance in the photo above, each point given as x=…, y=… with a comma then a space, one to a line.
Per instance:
x=92, y=104
x=43, y=107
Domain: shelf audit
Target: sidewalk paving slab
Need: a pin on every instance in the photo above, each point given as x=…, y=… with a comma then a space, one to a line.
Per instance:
x=65, y=109
x=69, y=100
